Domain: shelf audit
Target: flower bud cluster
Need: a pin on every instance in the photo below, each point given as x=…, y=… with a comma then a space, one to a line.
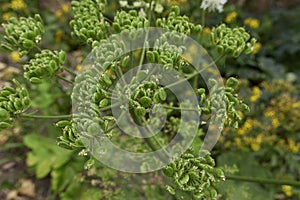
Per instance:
x=23, y=34
x=166, y=53
x=194, y=174
x=69, y=138
x=129, y=20
x=43, y=65
x=232, y=41
x=89, y=23
x=224, y=103
x=178, y=23
x=145, y=95
x=13, y=101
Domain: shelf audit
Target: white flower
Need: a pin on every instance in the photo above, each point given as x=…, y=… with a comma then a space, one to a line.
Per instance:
x=123, y=3
x=142, y=13
x=212, y=5
x=158, y=8
x=137, y=4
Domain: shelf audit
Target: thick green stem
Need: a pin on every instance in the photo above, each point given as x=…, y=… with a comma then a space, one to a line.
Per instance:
x=179, y=108
x=64, y=79
x=203, y=24
x=263, y=180
x=29, y=116
x=145, y=41
x=69, y=71
x=149, y=141
x=190, y=76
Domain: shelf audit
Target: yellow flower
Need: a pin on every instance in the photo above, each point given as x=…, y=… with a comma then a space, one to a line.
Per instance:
x=293, y=146
x=238, y=142
x=252, y=22
x=79, y=68
x=256, y=48
x=287, y=189
x=110, y=73
x=59, y=13
x=59, y=35
x=274, y=119
x=207, y=30
x=275, y=122
x=65, y=7
x=15, y=56
x=255, y=146
x=193, y=49
x=18, y=5
x=188, y=57
x=231, y=17
x=6, y=16
x=256, y=93
x=176, y=2
x=246, y=127
x=227, y=144
x=296, y=105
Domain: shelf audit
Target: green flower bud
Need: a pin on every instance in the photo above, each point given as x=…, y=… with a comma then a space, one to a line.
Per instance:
x=170, y=190
x=18, y=104
x=4, y=115
x=9, y=89
x=213, y=193
x=168, y=171
x=140, y=111
x=103, y=103
x=232, y=82
x=145, y=101
x=125, y=61
x=200, y=91
x=106, y=79
x=150, y=56
x=5, y=125
x=35, y=80
x=162, y=94
x=25, y=102
x=28, y=44
x=62, y=124
x=62, y=57
x=184, y=179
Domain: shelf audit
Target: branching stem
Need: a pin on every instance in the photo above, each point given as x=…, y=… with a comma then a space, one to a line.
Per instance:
x=29, y=116
x=69, y=71
x=64, y=79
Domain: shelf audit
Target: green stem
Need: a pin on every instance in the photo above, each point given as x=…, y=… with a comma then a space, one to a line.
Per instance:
x=64, y=79
x=195, y=84
x=143, y=53
x=178, y=108
x=263, y=180
x=203, y=18
x=69, y=71
x=148, y=140
x=190, y=76
x=29, y=116
x=38, y=48
x=109, y=107
x=203, y=25
x=146, y=39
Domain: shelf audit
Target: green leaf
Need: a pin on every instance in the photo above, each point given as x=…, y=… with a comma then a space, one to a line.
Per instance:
x=77, y=191
x=45, y=155
x=62, y=177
